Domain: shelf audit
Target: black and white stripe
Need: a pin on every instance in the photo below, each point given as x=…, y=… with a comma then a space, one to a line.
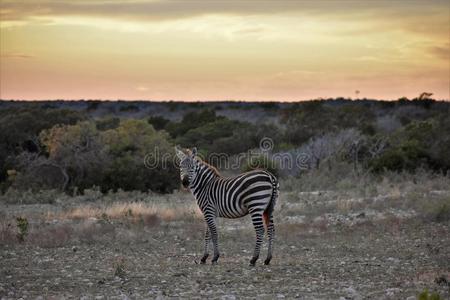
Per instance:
x=253, y=193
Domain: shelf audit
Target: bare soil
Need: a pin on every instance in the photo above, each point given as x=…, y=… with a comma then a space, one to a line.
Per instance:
x=389, y=258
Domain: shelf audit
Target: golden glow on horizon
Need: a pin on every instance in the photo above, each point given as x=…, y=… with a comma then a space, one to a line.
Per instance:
x=95, y=50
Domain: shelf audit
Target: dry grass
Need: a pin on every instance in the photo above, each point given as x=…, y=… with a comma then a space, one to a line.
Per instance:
x=7, y=233
x=134, y=211
x=95, y=216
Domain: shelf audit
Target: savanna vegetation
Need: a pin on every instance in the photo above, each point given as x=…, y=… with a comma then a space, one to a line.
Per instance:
x=72, y=146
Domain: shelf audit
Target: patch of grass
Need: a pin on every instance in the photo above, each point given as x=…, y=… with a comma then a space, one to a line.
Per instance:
x=133, y=212
x=22, y=227
x=51, y=236
x=13, y=196
x=435, y=209
x=7, y=235
x=425, y=295
x=441, y=212
x=119, y=267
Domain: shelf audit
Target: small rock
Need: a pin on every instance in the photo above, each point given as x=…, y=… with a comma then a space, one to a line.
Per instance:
x=392, y=291
x=159, y=296
x=394, y=260
x=361, y=215
x=352, y=293
x=442, y=280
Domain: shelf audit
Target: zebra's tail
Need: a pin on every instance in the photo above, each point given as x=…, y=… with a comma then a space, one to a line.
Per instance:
x=273, y=199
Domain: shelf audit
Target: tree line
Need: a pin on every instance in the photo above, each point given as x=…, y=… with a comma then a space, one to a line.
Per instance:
x=46, y=147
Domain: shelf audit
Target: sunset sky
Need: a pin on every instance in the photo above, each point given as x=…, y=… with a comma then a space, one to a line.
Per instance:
x=222, y=50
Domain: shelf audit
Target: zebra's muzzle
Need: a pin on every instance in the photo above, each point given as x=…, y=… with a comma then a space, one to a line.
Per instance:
x=185, y=181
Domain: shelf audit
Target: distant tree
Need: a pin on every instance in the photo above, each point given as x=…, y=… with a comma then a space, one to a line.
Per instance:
x=78, y=150
x=20, y=128
x=330, y=147
x=93, y=105
x=419, y=144
x=425, y=96
x=192, y=120
x=158, y=122
x=107, y=123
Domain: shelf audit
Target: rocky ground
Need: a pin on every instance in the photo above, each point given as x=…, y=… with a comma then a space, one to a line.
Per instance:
x=354, y=255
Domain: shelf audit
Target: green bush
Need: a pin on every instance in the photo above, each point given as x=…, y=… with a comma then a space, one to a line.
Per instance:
x=111, y=159
x=22, y=228
x=425, y=295
x=407, y=156
x=192, y=120
x=127, y=148
x=21, y=126
x=158, y=122
x=417, y=145
x=107, y=123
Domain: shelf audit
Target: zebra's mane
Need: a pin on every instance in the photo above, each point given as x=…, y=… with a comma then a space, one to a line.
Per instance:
x=214, y=169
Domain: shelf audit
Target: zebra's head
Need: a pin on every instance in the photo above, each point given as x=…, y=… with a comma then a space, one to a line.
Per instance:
x=188, y=164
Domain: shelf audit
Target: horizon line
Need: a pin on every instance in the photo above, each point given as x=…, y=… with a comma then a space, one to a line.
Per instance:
x=220, y=100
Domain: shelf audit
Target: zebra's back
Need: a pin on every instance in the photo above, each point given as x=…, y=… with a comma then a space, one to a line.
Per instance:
x=237, y=196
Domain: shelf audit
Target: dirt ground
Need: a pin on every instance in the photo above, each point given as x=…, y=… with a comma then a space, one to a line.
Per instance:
x=361, y=258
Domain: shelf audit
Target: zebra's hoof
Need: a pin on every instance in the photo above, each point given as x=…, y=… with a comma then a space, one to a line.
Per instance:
x=267, y=261
x=203, y=260
x=215, y=259
x=253, y=261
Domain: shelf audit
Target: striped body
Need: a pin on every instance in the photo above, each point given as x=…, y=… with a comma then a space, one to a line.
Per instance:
x=233, y=197
x=253, y=193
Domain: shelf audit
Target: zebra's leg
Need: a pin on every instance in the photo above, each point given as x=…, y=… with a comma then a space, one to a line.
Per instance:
x=259, y=229
x=211, y=221
x=270, y=234
x=207, y=239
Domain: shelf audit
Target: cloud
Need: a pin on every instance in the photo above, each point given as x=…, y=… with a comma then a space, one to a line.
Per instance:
x=441, y=52
x=355, y=17
x=16, y=55
x=156, y=10
x=142, y=88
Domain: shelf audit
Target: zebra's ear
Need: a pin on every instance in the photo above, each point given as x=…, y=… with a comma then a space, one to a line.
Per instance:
x=180, y=154
x=194, y=151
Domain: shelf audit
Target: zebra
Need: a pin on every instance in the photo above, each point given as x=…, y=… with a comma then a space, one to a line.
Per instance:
x=254, y=193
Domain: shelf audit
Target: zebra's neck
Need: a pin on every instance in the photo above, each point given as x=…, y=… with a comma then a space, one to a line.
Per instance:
x=205, y=174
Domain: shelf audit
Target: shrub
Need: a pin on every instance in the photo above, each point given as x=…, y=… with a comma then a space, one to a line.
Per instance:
x=442, y=213
x=192, y=120
x=80, y=156
x=158, y=122
x=22, y=227
x=425, y=295
x=15, y=196
x=119, y=267
x=107, y=123
x=437, y=210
